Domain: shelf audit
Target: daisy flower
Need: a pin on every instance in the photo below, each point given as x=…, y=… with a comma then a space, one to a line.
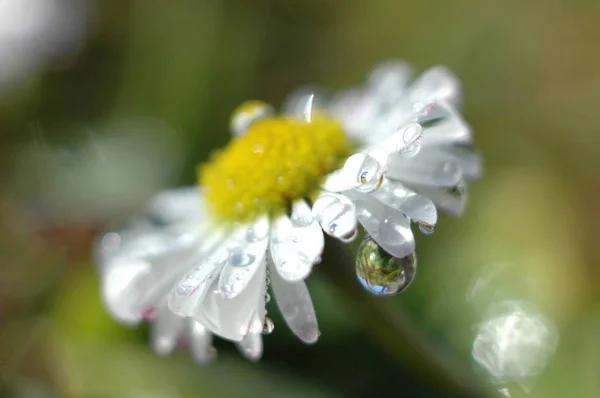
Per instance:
x=382, y=155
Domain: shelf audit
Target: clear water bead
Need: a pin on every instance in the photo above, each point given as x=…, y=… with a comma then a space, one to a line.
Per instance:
x=427, y=229
x=365, y=172
x=238, y=258
x=381, y=273
x=187, y=287
x=268, y=326
x=336, y=214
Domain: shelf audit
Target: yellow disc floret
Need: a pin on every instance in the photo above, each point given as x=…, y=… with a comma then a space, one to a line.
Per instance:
x=278, y=160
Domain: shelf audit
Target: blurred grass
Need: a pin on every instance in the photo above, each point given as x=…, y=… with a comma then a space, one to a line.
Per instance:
x=531, y=77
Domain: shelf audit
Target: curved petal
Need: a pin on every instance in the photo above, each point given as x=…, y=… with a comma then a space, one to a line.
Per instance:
x=337, y=215
x=425, y=168
x=251, y=346
x=296, y=243
x=437, y=83
x=417, y=207
x=389, y=80
x=247, y=253
x=232, y=318
x=201, y=342
x=121, y=291
x=294, y=302
x=388, y=227
x=443, y=125
x=194, y=284
x=451, y=199
x=166, y=330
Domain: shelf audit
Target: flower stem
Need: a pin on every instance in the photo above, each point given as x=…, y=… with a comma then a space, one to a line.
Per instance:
x=394, y=329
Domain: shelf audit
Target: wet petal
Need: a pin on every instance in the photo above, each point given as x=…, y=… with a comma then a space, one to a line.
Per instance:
x=451, y=199
x=201, y=343
x=294, y=302
x=120, y=290
x=177, y=205
x=251, y=346
x=443, y=125
x=417, y=207
x=436, y=84
x=389, y=80
x=337, y=216
x=246, y=254
x=388, y=227
x=296, y=243
x=166, y=331
x=426, y=168
x=194, y=284
x=232, y=318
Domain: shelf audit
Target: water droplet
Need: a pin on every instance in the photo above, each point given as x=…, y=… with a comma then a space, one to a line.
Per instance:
x=187, y=288
x=427, y=229
x=302, y=219
x=289, y=311
x=457, y=191
x=365, y=171
x=448, y=173
x=411, y=150
x=349, y=237
x=336, y=214
x=248, y=113
x=256, y=232
x=381, y=273
x=268, y=326
x=238, y=258
x=412, y=133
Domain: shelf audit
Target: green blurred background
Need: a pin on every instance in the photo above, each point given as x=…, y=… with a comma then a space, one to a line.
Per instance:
x=88, y=132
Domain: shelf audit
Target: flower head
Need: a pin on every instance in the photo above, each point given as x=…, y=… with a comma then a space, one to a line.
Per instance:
x=382, y=155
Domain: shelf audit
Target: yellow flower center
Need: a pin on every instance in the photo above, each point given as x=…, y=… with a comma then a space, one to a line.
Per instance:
x=278, y=160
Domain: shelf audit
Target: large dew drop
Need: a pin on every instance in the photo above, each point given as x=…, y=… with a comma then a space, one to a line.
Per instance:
x=381, y=273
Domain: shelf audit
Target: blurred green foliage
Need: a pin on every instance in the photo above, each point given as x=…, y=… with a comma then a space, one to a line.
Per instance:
x=176, y=69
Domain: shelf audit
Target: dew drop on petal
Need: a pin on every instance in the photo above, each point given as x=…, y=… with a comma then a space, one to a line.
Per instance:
x=238, y=258
x=268, y=326
x=258, y=231
x=337, y=215
x=381, y=273
x=427, y=229
x=412, y=133
x=187, y=288
x=302, y=219
x=365, y=172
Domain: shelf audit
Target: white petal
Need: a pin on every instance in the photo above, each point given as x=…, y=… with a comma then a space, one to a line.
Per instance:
x=294, y=302
x=166, y=331
x=194, y=284
x=443, y=125
x=417, y=207
x=232, y=318
x=296, y=243
x=337, y=181
x=177, y=205
x=451, y=199
x=358, y=111
x=337, y=215
x=388, y=227
x=436, y=84
x=251, y=346
x=425, y=168
x=389, y=80
x=120, y=290
x=246, y=254
x=201, y=342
